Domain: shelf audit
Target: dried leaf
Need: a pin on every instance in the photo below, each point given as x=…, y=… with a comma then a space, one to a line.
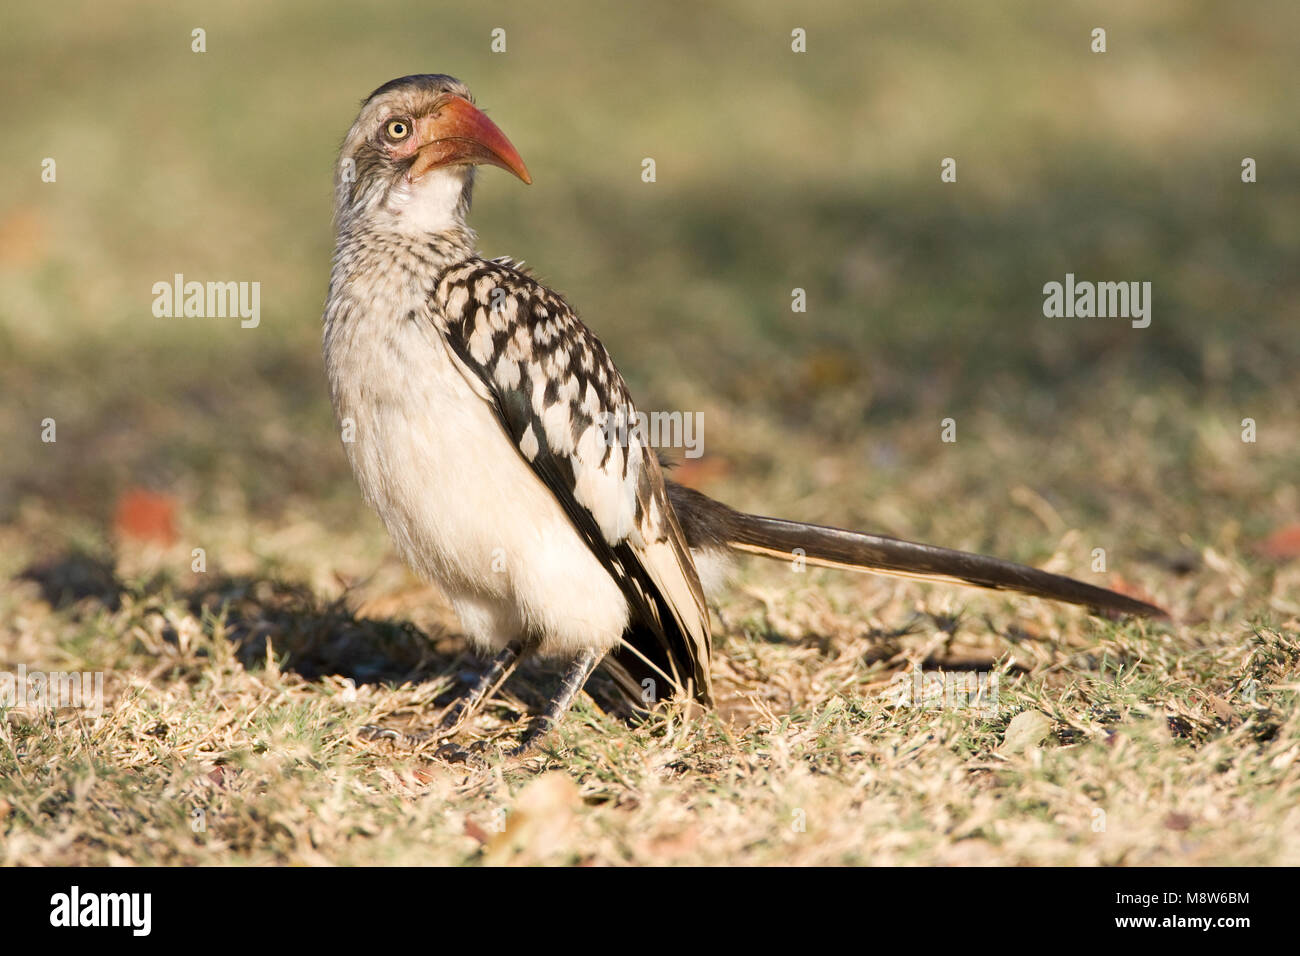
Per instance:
x=538, y=824
x=146, y=516
x=1027, y=729
x=1283, y=544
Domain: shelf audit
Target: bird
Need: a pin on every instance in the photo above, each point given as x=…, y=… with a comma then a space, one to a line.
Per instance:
x=475, y=408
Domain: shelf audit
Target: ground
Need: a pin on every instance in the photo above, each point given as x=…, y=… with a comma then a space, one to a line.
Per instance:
x=194, y=535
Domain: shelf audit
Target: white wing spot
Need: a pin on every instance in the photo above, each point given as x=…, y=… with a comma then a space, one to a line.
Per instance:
x=528, y=443
x=457, y=300
x=480, y=343
x=507, y=373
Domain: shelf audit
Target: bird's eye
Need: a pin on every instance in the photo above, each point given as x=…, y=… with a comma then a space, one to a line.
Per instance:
x=397, y=130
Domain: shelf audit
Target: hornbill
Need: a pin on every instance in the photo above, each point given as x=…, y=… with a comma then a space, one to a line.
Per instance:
x=476, y=411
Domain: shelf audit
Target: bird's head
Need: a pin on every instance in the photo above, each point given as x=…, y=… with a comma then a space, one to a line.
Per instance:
x=408, y=162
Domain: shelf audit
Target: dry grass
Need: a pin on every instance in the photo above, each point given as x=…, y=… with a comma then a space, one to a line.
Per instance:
x=240, y=696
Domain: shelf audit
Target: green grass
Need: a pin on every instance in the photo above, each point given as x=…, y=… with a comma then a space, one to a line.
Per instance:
x=239, y=691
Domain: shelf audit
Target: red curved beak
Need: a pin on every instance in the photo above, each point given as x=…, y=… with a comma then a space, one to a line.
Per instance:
x=460, y=133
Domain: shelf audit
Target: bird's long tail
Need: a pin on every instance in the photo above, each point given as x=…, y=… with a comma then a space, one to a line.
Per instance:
x=711, y=526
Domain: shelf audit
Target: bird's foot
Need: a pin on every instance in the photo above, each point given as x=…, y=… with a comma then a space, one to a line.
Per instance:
x=459, y=713
x=575, y=677
x=542, y=726
x=471, y=756
x=398, y=738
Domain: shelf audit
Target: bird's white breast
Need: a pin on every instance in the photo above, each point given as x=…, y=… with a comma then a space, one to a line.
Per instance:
x=464, y=509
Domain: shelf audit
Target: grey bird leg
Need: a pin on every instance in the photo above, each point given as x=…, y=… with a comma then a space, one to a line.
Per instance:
x=502, y=666
x=574, y=678
x=487, y=684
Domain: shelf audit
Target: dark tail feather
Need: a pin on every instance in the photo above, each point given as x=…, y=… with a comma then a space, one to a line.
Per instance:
x=711, y=525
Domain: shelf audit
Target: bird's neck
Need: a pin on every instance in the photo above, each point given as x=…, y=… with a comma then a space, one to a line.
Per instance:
x=374, y=249
x=420, y=218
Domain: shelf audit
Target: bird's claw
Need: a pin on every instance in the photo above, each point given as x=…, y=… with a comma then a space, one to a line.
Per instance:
x=471, y=756
x=374, y=732
x=532, y=737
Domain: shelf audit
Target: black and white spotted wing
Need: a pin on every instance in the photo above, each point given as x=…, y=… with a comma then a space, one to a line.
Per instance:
x=555, y=391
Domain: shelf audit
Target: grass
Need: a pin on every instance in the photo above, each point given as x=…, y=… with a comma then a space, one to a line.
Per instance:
x=234, y=695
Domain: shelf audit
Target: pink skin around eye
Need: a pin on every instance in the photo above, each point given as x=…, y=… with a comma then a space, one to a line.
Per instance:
x=403, y=148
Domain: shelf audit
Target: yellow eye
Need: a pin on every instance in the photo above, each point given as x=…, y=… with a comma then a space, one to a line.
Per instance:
x=397, y=129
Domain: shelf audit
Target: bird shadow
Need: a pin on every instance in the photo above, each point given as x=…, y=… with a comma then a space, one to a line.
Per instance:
x=309, y=636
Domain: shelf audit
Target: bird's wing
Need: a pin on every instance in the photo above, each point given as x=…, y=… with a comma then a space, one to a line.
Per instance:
x=560, y=400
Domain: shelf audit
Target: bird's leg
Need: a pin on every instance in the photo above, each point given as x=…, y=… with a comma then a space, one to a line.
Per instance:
x=574, y=678
x=502, y=666
x=487, y=684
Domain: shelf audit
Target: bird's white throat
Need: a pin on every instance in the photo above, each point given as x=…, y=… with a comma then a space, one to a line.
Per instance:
x=434, y=203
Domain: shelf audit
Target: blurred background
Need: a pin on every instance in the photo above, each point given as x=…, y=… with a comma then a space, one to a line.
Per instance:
x=775, y=170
